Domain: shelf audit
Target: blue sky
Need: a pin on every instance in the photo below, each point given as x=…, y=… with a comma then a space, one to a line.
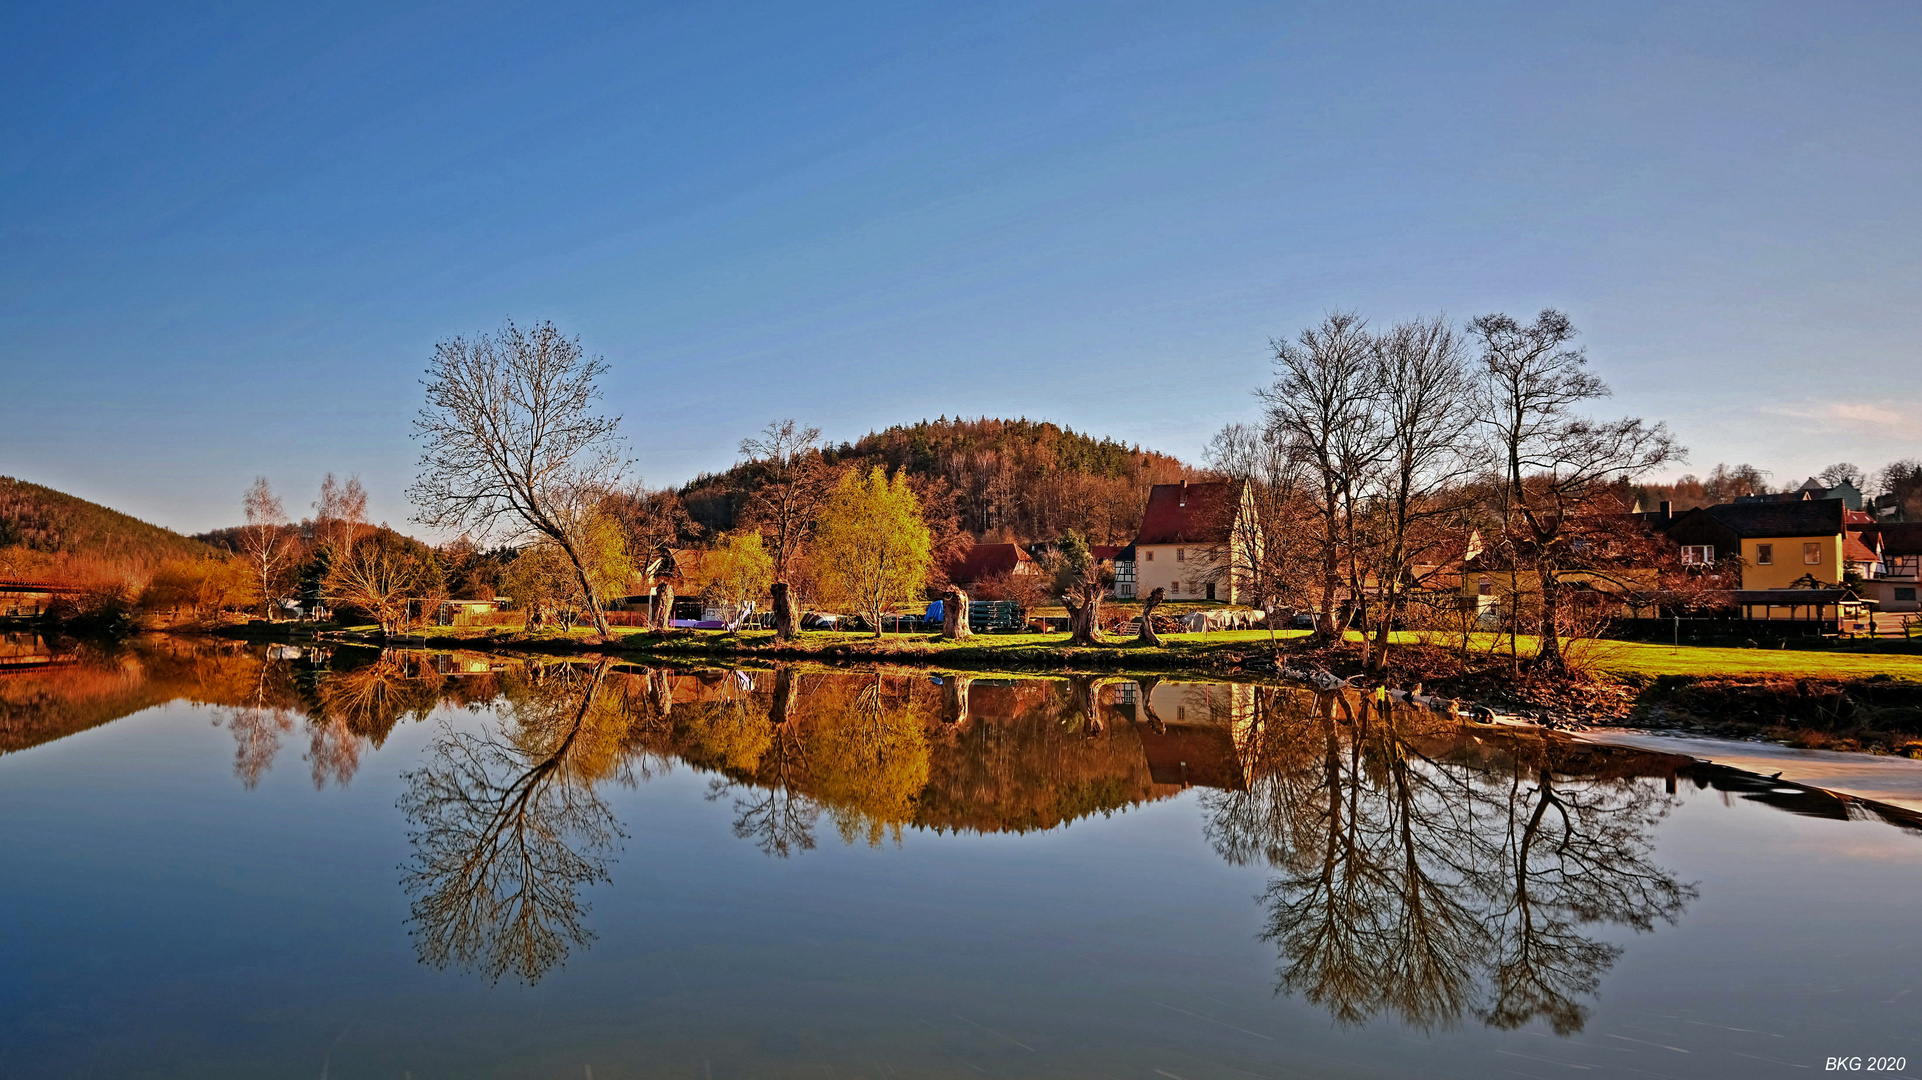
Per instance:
x=231, y=235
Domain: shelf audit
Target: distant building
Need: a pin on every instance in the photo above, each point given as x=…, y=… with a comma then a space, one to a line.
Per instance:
x=1811, y=491
x=984, y=561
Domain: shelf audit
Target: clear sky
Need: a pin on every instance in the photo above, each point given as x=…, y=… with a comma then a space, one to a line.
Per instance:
x=231, y=235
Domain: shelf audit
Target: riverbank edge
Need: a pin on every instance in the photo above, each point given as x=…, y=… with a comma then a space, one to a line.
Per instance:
x=1875, y=714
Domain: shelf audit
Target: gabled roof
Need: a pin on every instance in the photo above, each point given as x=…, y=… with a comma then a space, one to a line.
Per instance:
x=1854, y=550
x=1901, y=538
x=1187, y=513
x=984, y=561
x=1762, y=520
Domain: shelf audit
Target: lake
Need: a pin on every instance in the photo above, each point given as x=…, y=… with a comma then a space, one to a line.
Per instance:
x=227, y=860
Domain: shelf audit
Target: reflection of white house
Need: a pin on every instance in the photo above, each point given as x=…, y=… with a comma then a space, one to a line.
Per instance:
x=310, y=610
x=1193, y=544
x=1193, y=734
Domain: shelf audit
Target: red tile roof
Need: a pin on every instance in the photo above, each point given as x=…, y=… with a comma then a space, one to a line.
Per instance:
x=1189, y=513
x=1854, y=550
x=987, y=560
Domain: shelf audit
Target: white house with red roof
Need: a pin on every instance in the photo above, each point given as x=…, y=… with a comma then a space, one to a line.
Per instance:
x=1194, y=544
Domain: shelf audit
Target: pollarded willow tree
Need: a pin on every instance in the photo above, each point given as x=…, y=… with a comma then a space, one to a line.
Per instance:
x=513, y=446
x=871, y=546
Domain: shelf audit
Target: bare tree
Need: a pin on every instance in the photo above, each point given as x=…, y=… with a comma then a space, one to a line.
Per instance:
x=1322, y=404
x=1426, y=399
x=506, y=832
x=1273, y=550
x=1554, y=464
x=264, y=542
x=340, y=516
x=512, y=443
x=784, y=507
x=378, y=576
x=1842, y=472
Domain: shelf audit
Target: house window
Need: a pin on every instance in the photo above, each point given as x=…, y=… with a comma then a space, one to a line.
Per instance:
x=1485, y=587
x=1905, y=594
x=1174, y=588
x=1698, y=554
x=1148, y=555
x=1811, y=554
x=1193, y=588
x=1765, y=554
x=1181, y=554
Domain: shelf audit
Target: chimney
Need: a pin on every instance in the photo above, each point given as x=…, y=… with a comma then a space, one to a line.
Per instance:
x=1664, y=509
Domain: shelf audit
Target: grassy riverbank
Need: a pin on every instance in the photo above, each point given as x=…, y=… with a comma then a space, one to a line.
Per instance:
x=1631, y=660
x=1839, y=694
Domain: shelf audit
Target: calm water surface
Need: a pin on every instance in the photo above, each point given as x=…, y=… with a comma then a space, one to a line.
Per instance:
x=219, y=862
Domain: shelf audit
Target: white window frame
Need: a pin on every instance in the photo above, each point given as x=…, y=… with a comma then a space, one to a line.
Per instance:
x=1765, y=554
x=1698, y=554
x=1812, y=554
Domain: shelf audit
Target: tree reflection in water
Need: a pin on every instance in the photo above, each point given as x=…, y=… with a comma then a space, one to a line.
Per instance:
x=1431, y=876
x=773, y=811
x=507, y=826
x=1418, y=872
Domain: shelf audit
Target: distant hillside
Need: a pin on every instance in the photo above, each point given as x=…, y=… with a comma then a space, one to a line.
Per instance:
x=1009, y=479
x=47, y=531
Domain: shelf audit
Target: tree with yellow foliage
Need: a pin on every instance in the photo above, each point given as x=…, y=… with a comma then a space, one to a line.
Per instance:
x=871, y=547
x=735, y=572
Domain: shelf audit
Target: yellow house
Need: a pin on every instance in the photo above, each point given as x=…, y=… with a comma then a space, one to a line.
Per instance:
x=1795, y=554
x=1194, y=544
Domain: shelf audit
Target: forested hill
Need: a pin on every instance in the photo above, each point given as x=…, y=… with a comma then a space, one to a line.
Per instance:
x=1008, y=479
x=46, y=531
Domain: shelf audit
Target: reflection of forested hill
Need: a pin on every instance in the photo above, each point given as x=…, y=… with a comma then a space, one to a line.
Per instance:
x=87, y=686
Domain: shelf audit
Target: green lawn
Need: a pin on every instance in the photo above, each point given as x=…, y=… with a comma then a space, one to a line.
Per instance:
x=1841, y=660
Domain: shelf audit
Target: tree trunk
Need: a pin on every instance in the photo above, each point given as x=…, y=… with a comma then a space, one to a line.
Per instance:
x=1084, y=614
x=787, y=621
x=954, y=699
x=785, y=696
x=1548, y=649
x=1145, y=703
x=954, y=615
x=587, y=590
x=662, y=616
x=1081, y=692
x=1147, y=634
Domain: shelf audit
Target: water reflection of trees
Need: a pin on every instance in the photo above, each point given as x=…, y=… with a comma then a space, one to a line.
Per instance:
x=508, y=826
x=1424, y=874
x=1417, y=873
